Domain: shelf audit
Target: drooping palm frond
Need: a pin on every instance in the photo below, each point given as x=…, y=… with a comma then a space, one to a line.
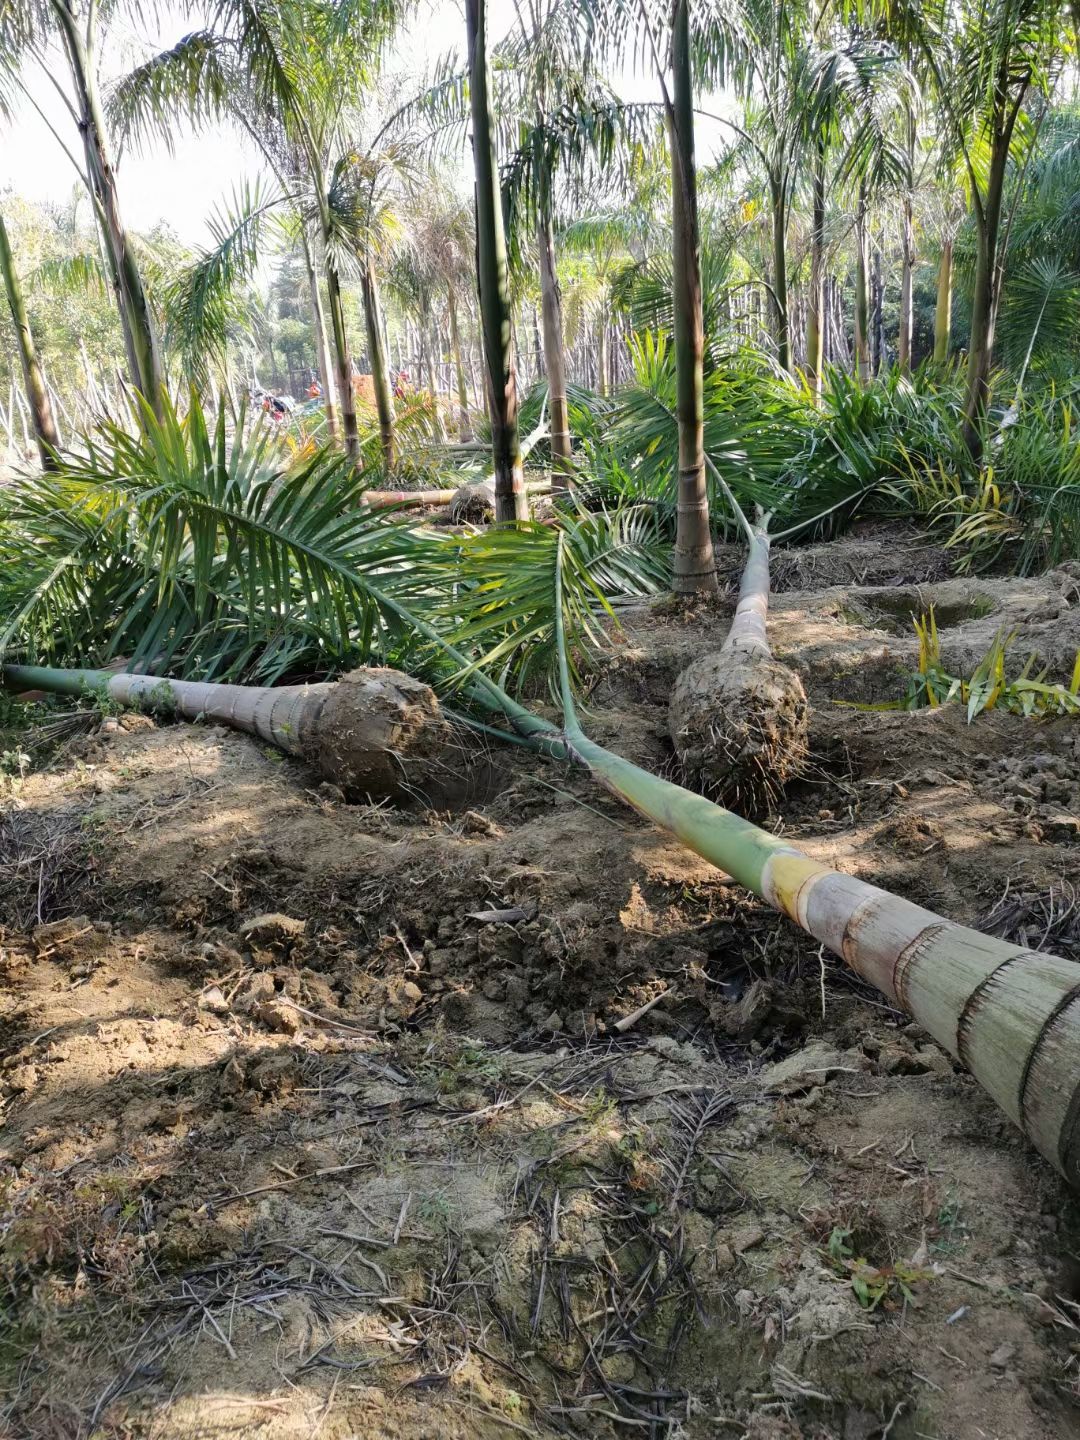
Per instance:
x=210, y=557
x=72, y=275
x=511, y=579
x=1039, y=314
x=192, y=80
x=205, y=302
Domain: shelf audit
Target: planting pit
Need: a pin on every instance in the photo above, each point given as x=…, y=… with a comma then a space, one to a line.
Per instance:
x=336, y=1120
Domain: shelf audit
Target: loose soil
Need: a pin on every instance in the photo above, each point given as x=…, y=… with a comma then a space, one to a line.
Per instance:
x=337, y=1120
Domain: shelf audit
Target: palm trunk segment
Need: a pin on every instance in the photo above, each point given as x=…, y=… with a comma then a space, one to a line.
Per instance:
x=694, y=564
x=943, y=308
x=464, y=425
x=511, y=502
x=48, y=441
x=380, y=377
x=554, y=354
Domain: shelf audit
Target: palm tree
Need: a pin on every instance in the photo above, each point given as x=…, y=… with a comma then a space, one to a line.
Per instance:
x=989, y=62
x=493, y=276
x=48, y=441
x=294, y=78
x=31, y=31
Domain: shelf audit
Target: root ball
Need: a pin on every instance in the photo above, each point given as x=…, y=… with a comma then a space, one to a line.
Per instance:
x=381, y=734
x=475, y=503
x=739, y=724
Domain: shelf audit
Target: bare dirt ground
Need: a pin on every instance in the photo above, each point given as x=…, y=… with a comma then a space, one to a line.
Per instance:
x=302, y=1137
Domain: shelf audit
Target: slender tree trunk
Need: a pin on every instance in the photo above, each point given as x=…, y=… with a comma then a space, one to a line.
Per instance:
x=907, y=270
x=554, y=352
x=464, y=427
x=781, y=317
x=694, y=567
x=862, y=297
x=380, y=379
x=878, y=314
x=511, y=501
x=602, y=355
x=815, y=323
x=48, y=440
x=430, y=343
x=984, y=293
x=943, y=308
x=343, y=362
x=140, y=336
x=322, y=344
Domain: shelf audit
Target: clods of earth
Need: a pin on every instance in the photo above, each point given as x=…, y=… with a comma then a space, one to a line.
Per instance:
x=337, y=1120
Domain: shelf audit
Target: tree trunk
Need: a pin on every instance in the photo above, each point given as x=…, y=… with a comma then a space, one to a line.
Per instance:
x=554, y=353
x=862, y=297
x=694, y=567
x=343, y=361
x=140, y=336
x=322, y=344
x=943, y=308
x=48, y=441
x=984, y=293
x=907, y=243
x=815, y=323
x=464, y=427
x=878, y=321
x=602, y=356
x=781, y=318
x=380, y=379
x=431, y=335
x=511, y=502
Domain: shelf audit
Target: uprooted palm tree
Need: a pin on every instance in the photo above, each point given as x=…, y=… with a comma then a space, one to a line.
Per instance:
x=535, y=593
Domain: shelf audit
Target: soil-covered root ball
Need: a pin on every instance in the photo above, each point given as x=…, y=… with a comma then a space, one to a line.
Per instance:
x=472, y=502
x=380, y=733
x=739, y=724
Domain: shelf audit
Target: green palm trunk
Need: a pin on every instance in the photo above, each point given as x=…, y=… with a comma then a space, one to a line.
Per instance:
x=380, y=377
x=48, y=441
x=943, y=308
x=511, y=501
x=694, y=565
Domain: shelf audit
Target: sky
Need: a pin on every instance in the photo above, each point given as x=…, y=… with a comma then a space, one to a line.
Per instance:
x=184, y=187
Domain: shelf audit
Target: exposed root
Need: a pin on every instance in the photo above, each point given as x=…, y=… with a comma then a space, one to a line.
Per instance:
x=475, y=503
x=381, y=734
x=739, y=723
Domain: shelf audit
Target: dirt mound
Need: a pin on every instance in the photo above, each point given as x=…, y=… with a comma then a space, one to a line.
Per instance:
x=516, y=1117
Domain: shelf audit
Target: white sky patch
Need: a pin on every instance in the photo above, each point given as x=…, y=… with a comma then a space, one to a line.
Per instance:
x=182, y=186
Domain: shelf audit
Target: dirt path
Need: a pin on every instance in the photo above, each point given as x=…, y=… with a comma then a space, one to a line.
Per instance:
x=304, y=1138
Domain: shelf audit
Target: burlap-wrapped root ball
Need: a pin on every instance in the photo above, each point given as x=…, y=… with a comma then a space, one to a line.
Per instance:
x=739, y=724
x=381, y=733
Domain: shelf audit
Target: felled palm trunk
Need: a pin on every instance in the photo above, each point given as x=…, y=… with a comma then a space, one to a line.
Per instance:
x=45, y=432
x=374, y=732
